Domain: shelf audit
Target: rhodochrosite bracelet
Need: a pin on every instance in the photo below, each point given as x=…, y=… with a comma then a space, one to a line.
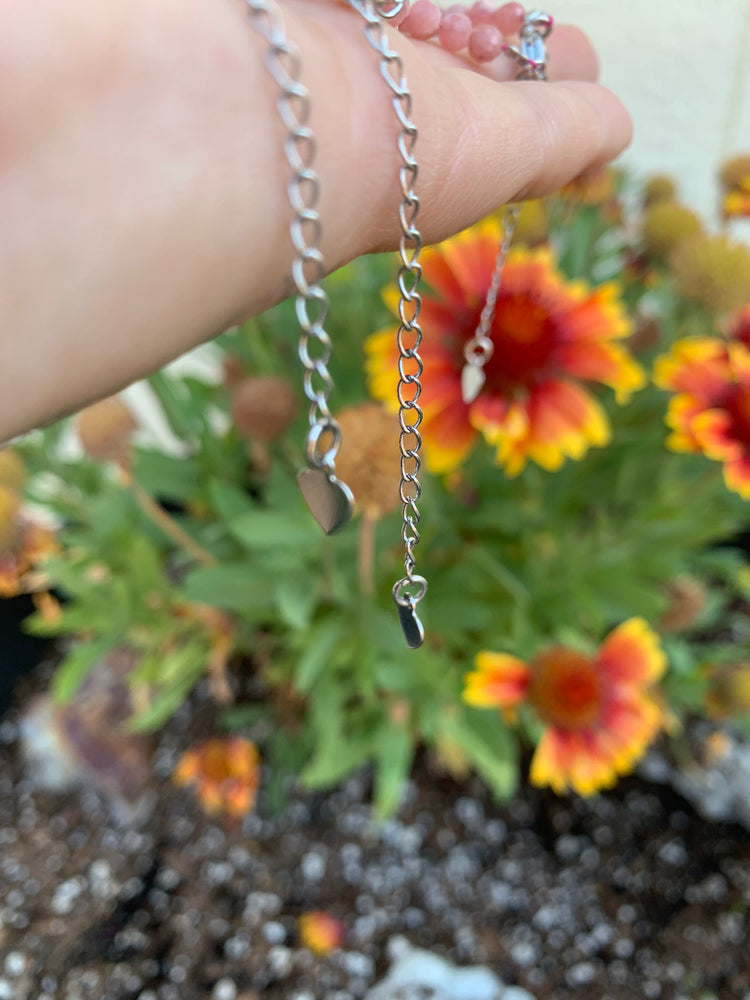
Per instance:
x=329, y=499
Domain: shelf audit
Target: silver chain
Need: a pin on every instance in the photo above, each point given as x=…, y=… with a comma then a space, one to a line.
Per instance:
x=479, y=350
x=531, y=55
x=411, y=588
x=330, y=500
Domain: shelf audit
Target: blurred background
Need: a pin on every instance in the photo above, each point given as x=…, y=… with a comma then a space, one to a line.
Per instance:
x=683, y=70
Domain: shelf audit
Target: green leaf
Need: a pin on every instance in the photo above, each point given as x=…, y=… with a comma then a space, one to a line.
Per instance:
x=78, y=664
x=243, y=716
x=183, y=665
x=234, y=587
x=319, y=649
x=489, y=562
x=271, y=529
x=393, y=759
x=166, y=477
x=336, y=751
x=296, y=600
x=392, y=675
x=163, y=706
x=144, y=567
x=336, y=756
x=228, y=500
x=490, y=746
x=182, y=415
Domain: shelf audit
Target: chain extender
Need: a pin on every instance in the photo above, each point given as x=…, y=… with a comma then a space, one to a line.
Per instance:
x=411, y=588
x=330, y=501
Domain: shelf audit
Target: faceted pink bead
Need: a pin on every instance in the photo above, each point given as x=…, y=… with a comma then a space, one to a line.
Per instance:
x=485, y=43
x=482, y=12
x=509, y=18
x=455, y=31
x=423, y=20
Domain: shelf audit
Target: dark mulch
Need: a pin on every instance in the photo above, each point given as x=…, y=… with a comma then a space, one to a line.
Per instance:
x=626, y=896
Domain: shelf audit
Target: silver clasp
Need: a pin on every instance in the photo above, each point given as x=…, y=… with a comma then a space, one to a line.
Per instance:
x=531, y=53
x=388, y=9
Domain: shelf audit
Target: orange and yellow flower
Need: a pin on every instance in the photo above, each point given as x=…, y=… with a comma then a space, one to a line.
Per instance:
x=225, y=773
x=736, y=204
x=735, y=182
x=594, y=187
x=321, y=932
x=739, y=327
x=710, y=411
x=600, y=712
x=29, y=545
x=549, y=335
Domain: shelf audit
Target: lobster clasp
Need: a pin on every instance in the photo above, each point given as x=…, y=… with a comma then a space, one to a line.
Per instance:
x=531, y=52
x=388, y=9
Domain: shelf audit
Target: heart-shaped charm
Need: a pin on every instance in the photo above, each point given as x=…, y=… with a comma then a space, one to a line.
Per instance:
x=330, y=501
x=472, y=380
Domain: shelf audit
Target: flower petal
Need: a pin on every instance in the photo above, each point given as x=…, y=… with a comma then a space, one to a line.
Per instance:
x=698, y=366
x=737, y=476
x=713, y=432
x=563, y=421
x=497, y=681
x=448, y=437
x=600, y=316
x=605, y=363
x=631, y=654
x=571, y=761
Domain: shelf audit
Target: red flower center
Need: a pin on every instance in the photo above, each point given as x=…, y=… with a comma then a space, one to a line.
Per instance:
x=525, y=338
x=216, y=763
x=737, y=405
x=566, y=689
x=741, y=333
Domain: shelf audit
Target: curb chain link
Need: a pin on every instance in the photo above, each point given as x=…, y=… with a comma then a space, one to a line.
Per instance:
x=409, y=590
x=308, y=269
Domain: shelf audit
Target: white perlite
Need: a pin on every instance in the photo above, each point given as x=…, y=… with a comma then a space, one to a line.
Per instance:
x=419, y=975
x=719, y=791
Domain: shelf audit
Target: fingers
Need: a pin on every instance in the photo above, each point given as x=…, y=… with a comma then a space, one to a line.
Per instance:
x=571, y=56
x=484, y=143
x=481, y=142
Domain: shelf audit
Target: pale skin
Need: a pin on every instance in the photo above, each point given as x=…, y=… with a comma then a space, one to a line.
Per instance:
x=143, y=184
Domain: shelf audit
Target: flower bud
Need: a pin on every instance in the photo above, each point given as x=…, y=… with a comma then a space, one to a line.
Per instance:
x=263, y=406
x=106, y=430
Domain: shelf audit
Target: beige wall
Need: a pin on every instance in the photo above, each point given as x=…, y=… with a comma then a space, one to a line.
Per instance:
x=683, y=69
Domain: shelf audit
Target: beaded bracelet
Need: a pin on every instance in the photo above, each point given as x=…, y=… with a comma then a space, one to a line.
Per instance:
x=482, y=31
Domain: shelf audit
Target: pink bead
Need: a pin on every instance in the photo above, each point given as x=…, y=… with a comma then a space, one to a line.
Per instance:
x=456, y=8
x=482, y=12
x=509, y=18
x=454, y=32
x=423, y=20
x=485, y=43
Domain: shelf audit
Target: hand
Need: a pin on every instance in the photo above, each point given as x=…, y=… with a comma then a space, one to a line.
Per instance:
x=142, y=182
x=480, y=144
